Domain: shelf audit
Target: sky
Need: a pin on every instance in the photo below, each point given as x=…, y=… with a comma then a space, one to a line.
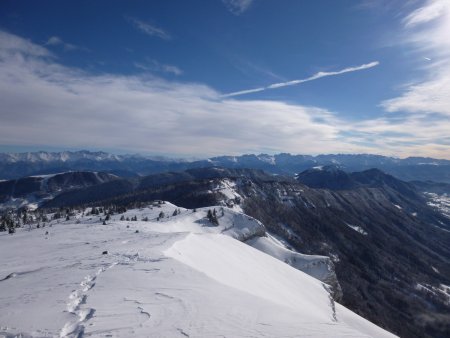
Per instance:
x=226, y=77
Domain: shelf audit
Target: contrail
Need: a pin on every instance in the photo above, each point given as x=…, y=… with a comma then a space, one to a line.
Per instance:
x=311, y=78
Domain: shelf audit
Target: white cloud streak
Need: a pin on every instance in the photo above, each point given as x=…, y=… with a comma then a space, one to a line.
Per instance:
x=316, y=76
x=149, y=29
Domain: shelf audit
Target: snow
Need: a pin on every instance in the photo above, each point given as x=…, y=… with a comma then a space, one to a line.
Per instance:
x=32, y=206
x=180, y=276
x=334, y=257
x=231, y=222
x=50, y=175
x=357, y=229
x=423, y=287
x=30, y=202
x=317, y=266
x=442, y=291
x=228, y=189
x=267, y=159
x=16, y=203
x=445, y=292
x=439, y=202
x=253, y=272
x=277, y=241
x=359, y=323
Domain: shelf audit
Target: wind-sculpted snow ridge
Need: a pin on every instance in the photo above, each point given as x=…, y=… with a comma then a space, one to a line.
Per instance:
x=251, y=231
x=171, y=273
x=319, y=267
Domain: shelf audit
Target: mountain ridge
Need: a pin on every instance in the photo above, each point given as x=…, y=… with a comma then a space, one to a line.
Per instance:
x=16, y=165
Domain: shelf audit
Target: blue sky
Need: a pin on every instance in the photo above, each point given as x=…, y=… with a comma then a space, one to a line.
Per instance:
x=155, y=77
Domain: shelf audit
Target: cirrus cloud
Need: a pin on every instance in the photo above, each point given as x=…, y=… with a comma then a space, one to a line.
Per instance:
x=427, y=31
x=149, y=29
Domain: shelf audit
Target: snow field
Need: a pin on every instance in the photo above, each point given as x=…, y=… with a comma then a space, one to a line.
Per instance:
x=176, y=277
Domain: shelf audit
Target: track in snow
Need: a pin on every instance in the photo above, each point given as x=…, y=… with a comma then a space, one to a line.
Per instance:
x=77, y=299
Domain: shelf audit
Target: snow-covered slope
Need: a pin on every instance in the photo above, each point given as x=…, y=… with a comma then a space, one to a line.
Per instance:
x=179, y=276
x=439, y=201
x=319, y=267
x=249, y=230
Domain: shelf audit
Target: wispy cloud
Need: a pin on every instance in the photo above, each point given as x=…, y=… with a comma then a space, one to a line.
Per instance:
x=57, y=41
x=155, y=66
x=427, y=32
x=431, y=11
x=316, y=76
x=149, y=29
x=237, y=7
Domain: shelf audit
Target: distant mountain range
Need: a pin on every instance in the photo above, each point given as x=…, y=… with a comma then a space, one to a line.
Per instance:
x=17, y=165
